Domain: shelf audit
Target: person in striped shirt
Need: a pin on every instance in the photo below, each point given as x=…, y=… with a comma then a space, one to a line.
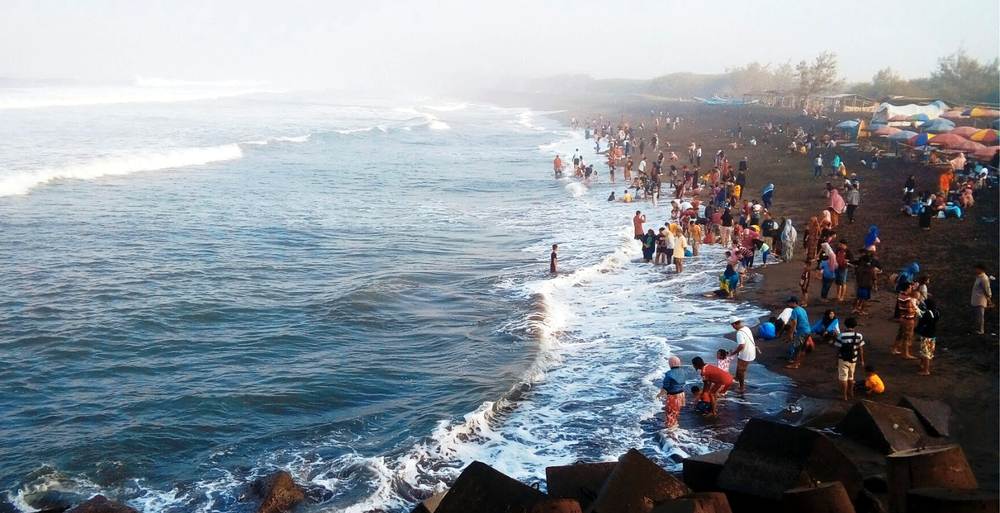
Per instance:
x=850, y=350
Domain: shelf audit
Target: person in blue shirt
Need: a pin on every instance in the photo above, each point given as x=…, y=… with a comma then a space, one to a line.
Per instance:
x=827, y=328
x=797, y=330
x=673, y=391
x=829, y=276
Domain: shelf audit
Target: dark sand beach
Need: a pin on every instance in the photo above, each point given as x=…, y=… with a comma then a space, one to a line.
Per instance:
x=965, y=368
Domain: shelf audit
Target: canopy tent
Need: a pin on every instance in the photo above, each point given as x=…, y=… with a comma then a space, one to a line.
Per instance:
x=902, y=135
x=985, y=136
x=964, y=131
x=920, y=139
x=888, y=112
x=885, y=131
x=938, y=126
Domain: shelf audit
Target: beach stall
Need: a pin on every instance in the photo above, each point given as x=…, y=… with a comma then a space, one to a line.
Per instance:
x=849, y=128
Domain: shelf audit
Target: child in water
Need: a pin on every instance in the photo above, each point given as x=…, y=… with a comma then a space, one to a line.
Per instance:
x=703, y=404
x=724, y=359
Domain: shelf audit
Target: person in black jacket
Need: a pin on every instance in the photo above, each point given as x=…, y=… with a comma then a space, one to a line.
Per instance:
x=927, y=330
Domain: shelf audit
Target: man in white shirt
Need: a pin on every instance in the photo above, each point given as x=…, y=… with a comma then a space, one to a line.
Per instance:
x=746, y=351
x=642, y=166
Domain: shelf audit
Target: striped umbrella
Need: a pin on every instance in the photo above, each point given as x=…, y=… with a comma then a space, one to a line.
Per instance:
x=985, y=136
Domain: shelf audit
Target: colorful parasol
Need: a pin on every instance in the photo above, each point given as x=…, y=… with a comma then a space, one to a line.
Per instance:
x=985, y=136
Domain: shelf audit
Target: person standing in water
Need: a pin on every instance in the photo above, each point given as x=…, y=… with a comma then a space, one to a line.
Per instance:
x=637, y=221
x=746, y=351
x=557, y=166
x=553, y=258
x=673, y=391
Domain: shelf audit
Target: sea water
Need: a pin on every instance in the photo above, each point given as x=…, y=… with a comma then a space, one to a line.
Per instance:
x=197, y=292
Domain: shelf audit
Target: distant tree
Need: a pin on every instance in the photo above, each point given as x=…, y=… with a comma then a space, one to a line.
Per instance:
x=818, y=77
x=960, y=77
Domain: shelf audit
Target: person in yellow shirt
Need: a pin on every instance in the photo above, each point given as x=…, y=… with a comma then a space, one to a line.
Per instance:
x=873, y=384
x=627, y=197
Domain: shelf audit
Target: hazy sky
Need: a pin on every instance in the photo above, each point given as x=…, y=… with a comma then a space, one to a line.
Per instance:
x=352, y=44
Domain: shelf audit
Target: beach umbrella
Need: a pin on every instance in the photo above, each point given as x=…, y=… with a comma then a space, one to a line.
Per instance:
x=964, y=131
x=963, y=145
x=885, y=131
x=979, y=112
x=938, y=126
x=902, y=135
x=849, y=124
x=920, y=139
x=947, y=140
x=985, y=136
x=987, y=152
x=955, y=114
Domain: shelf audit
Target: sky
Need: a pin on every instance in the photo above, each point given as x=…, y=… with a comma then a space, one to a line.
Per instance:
x=393, y=44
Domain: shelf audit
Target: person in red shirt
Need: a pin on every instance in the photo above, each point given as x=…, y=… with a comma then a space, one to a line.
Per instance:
x=717, y=381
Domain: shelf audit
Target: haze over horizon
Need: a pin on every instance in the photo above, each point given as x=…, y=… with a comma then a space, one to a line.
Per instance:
x=382, y=46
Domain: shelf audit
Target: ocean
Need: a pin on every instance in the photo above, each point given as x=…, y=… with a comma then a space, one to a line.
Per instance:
x=200, y=289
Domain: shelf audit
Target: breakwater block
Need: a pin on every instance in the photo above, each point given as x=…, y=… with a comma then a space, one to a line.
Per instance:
x=935, y=415
x=280, y=493
x=701, y=472
x=557, y=506
x=430, y=504
x=933, y=467
x=101, y=504
x=581, y=481
x=769, y=458
x=483, y=489
x=935, y=500
x=823, y=498
x=884, y=428
x=636, y=485
x=709, y=502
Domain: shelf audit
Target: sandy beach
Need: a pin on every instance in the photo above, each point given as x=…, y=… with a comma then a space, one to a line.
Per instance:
x=965, y=367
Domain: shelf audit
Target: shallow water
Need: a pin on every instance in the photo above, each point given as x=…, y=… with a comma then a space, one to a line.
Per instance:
x=354, y=291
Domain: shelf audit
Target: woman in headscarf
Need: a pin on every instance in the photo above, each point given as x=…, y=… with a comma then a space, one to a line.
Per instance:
x=837, y=207
x=788, y=237
x=827, y=328
x=872, y=240
x=767, y=195
x=648, y=245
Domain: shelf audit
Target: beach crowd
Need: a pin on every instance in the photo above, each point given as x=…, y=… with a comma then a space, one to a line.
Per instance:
x=713, y=203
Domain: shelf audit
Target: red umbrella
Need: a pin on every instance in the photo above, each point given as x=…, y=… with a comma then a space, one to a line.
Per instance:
x=948, y=140
x=964, y=131
x=885, y=130
x=965, y=145
x=987, y=152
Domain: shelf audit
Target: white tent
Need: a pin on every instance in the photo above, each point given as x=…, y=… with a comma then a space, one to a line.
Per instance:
x=888, y=112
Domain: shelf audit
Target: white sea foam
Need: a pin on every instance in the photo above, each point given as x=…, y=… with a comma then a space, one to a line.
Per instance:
x=290, y=139
x=23, y=181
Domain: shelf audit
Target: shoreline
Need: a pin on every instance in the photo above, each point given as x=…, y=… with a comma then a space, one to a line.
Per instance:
x=964, y=369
